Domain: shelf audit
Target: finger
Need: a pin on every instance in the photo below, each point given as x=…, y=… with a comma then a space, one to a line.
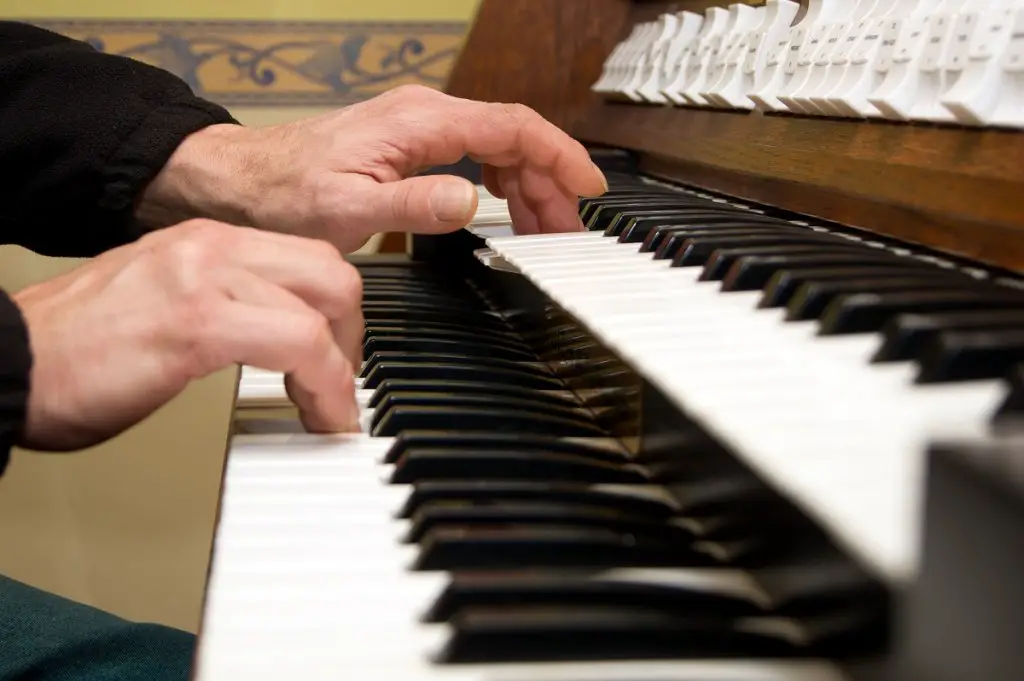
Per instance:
x=250, y=289
x=524, y=219
x=297, y=343
x=510, y=135
x=312, y=269
x=555, y=209
x=491, y=181
x=349, y=333
x=431, y=204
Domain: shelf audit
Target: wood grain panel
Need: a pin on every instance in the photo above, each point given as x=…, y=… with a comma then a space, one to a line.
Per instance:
x=956, y=189
x=542, y=53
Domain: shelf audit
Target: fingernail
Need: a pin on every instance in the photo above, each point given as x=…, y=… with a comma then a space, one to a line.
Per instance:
x=453, y=202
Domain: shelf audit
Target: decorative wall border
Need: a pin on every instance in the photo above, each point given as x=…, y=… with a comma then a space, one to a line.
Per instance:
x=281, y=63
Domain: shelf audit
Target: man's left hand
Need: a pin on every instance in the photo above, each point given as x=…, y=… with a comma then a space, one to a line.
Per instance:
x=348, y=174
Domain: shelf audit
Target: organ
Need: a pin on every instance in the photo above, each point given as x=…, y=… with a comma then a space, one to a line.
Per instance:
x=757, y=422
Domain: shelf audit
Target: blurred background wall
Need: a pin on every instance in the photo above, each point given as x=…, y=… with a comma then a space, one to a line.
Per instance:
x=127, y=526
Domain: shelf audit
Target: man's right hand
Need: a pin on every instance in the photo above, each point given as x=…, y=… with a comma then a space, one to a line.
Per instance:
x=115, y=339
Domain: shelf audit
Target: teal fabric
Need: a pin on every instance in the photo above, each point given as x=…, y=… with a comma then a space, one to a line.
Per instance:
x=44, y=637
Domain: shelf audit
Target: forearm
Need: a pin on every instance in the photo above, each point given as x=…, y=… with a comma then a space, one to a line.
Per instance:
x=82, y=136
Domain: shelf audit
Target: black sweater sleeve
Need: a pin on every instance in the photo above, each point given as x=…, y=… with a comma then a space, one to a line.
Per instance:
x=81, y=135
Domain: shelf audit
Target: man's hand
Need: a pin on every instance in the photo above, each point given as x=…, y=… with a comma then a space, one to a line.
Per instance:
x=348, y=174
x=120, y=336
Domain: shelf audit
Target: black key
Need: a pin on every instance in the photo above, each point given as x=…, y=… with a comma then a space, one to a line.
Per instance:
x=683, y=213
x=695, y=251
x=1012, y=408
x=471, y=320
x=443, y=329
x=496, y=419
x=379, y=287
x=649, y=500
x=404, y=273
x=445, y=346
x=424, y=305
x=440, y=332
x=382, y=287
x=445, y=371
x=755, y=272
x=483, y=363
x=719, y=493
x=657, y=236
x=607, y=450
x=629, y=197
x=459, y=548
x=970, y=355
x=676, y=240
x=425, y=298
x=784, y=284
x=634, y=228
x=811, y=299
x=541, y=514
x=603, y=216
x=496, y=391
x=905, y=335
x=587, y=633
x=720, y=262
x=866, y=312
x=657, y=590
x=420, y=465
x=455, y=401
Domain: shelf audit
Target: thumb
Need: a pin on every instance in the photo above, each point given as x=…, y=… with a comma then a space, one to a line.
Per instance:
x=427, y=204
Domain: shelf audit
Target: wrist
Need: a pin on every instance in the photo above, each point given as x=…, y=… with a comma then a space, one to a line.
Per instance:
x=210, y=175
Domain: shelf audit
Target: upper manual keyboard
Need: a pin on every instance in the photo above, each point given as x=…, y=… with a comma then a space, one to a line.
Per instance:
x=824, y=358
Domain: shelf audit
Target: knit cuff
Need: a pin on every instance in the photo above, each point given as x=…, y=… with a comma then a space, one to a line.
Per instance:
x=15, y=372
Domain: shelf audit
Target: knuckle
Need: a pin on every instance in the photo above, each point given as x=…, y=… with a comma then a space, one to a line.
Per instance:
x=203, y=230
x=313, y=334
x=519, y=112
x=200, y=243
x=351, y=286
x=325, y=250
x=413, y=91
x=346, y=291
x=198, y=315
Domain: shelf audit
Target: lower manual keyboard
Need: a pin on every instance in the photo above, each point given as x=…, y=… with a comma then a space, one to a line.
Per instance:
x=311, y=580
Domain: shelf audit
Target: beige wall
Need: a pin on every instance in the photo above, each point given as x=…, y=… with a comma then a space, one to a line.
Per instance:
x=127, y=526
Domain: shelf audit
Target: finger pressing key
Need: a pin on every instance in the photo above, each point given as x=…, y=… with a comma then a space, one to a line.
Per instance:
x=301, y=345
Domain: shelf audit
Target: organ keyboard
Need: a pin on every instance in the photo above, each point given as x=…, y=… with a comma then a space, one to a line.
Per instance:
x=757, y=422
